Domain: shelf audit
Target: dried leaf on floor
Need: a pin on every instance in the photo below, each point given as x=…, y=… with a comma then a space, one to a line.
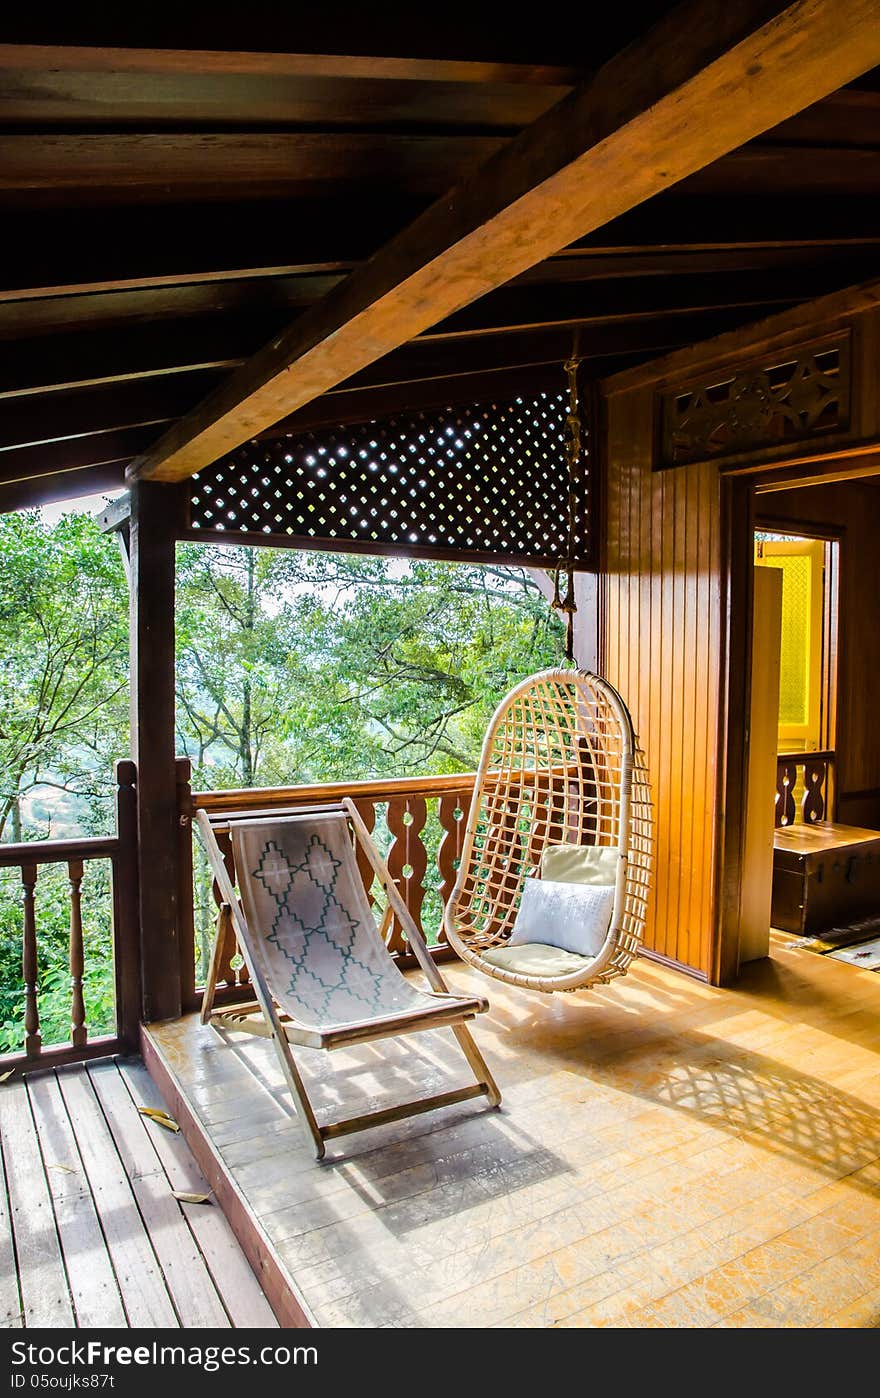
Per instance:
x=159, y=1117
x=4, y=1077
x=186, y=1198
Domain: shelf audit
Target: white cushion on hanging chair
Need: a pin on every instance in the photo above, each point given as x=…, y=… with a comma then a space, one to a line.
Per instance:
x=593, y=864
x=535, y=959
x=574, y=917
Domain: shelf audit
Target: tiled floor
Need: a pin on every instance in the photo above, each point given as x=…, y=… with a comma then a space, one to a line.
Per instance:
x=667, y=1154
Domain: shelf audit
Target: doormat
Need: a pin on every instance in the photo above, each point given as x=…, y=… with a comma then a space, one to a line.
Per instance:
x=864, y=954
x=852, y=944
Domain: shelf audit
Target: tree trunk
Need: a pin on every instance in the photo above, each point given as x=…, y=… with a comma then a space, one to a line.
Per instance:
x=245, y=736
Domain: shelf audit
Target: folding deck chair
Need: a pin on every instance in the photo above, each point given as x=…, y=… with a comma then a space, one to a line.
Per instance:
x=318, y=964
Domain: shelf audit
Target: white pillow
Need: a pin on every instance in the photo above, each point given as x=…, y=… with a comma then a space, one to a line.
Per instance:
x=572, y=916
x=580, y=863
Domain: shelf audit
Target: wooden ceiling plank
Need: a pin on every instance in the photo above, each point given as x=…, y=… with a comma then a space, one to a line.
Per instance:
x=40, y=58
x=73, y=453
x=27, y=421
x=69, y=485
x=635, y=129
x=127, y=163
x=774, y=333
x=50, y=314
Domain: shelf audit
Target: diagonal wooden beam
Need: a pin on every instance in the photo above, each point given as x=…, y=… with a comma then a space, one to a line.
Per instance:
x=700, y=83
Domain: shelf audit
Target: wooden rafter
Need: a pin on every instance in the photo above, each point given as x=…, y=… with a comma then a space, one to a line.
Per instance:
x=640, y=125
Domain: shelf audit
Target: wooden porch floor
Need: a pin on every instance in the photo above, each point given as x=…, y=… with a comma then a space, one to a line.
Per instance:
x=667, y=1154
x=90, y=1233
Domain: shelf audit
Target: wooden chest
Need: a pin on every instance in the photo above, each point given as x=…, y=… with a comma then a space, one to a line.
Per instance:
x=824, y=876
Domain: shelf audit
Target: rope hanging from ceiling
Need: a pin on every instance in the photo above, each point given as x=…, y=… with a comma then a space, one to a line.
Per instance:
x=567, y=604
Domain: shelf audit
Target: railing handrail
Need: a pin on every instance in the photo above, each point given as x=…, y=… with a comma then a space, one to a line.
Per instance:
x=256, y=797
x=796, y=758
x=57, y=851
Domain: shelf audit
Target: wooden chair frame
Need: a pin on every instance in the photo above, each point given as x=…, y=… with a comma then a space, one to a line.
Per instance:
x=263, y=1017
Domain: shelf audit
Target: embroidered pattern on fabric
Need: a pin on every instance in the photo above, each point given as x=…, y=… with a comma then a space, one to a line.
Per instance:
x=316, y=934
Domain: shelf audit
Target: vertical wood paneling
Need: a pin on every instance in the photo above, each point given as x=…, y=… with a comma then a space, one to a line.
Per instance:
x=663, y=634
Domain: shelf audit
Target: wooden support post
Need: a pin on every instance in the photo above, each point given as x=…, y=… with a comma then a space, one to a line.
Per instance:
x=126, y=920
x=153, y=530
x=185, y=910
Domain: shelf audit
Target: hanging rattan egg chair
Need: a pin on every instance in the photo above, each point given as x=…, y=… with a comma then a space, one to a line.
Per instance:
x=560, y=766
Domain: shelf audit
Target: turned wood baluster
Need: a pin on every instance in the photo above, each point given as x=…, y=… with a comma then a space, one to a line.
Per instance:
x=32, y=1039
x=813, y=804
x=449, y=851
x=407, y=859
x=786, y=780
x=78, y=1030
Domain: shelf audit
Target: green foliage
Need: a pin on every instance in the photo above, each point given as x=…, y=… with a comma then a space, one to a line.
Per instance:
x=52, y=897
x=63, y=668
x=313, y=667
x=63, y=722
x=291, y=668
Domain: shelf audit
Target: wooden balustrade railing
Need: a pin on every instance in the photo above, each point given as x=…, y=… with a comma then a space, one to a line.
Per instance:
x=804, y=787
x=418, y=823
x=29, y=857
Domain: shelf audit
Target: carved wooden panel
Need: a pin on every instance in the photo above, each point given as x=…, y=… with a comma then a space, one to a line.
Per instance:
x=761, y=405
x=486, y=481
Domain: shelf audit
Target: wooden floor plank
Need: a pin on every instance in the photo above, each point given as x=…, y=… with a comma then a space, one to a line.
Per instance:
x=191, y=1285
x=10, y=1294
x=44, y=1290
x=241, y=1292
x=93, y=1285
x=141, y=1282
x=667, y=1153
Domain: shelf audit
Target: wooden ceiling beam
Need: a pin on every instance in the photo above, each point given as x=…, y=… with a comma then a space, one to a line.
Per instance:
x=700, y=83
x=575, y=265
x=74, y=453
x=344, y=406
x=45, y=490
x=104, y=87
x=328, y=67
x=518, y=306
x=32, y=420
x=87, y=358
x=82, y=249
x=425, y=359
x=79, y=251
x=681, y=219
x=169, y=304
x=154, y=164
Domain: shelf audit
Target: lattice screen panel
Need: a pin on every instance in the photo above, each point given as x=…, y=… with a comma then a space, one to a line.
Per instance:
x=485, y=481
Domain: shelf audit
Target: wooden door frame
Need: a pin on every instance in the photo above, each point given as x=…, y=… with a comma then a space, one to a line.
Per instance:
x=740, y=512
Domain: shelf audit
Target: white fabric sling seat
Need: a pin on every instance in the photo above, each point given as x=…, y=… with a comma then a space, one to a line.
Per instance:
x=319, y=967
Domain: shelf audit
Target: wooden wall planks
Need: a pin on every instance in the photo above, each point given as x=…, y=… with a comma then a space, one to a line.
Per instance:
x=662, y=631
x=675, y=608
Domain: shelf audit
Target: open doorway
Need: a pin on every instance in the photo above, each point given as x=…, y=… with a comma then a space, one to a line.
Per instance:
x=810, y=857
x=809, y=568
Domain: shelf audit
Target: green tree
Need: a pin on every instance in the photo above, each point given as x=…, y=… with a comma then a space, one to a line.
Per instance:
x=63, y=665
x=63, y=721
x=297, y=667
